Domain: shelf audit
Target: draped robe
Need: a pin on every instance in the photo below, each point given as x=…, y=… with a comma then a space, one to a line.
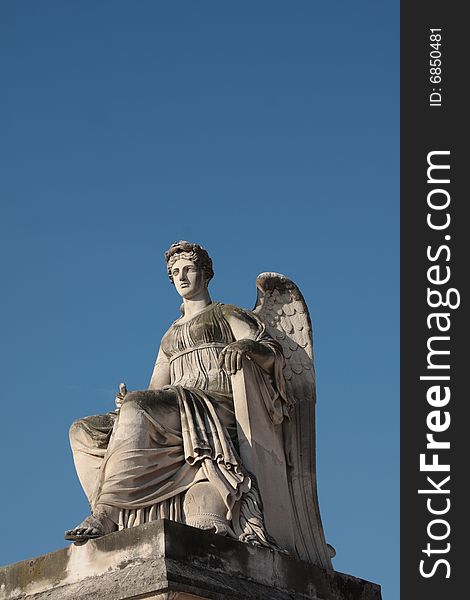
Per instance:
x=142, y=459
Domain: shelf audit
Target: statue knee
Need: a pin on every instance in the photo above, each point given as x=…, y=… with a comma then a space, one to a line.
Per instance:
x=161, y=404
x=75, y=431
x=149, y=399
x=131, y=400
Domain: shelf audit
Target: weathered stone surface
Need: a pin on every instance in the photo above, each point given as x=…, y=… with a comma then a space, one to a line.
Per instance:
x=170, y=451
x=169, y=561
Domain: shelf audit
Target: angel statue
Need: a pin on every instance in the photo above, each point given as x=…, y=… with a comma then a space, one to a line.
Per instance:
x=223, y=438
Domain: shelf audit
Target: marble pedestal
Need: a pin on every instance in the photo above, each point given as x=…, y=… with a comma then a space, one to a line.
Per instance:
x=169, y=561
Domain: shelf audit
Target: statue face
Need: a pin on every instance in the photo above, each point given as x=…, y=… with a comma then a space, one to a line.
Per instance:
x=188, y=278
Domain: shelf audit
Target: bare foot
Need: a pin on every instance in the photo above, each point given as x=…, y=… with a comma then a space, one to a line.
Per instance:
x=92, y=527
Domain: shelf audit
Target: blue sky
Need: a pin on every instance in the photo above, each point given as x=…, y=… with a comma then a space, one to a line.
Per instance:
x=267, y=131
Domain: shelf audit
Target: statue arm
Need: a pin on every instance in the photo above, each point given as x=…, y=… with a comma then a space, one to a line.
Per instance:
x=246, y=332
x=161, y=372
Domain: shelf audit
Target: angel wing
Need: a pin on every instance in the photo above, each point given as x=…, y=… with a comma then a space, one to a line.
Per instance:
x=282, y=308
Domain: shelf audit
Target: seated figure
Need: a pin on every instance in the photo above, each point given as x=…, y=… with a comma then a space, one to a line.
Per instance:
x=187, y=448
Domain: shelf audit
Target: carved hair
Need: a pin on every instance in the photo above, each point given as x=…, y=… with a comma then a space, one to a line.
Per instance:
x=194, y=252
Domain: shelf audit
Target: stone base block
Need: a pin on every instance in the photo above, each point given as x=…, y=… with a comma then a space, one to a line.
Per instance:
x=169, y=561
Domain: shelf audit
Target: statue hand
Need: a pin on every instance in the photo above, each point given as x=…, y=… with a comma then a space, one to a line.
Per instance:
x=230, y=358
x=120, y=395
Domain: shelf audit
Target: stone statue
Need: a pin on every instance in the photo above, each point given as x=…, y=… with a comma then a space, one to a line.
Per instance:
x=223, y=438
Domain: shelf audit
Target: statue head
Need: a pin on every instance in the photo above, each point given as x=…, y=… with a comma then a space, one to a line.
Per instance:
x=193, y=252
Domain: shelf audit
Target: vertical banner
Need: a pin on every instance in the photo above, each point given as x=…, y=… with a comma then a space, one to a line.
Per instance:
x=435, y=251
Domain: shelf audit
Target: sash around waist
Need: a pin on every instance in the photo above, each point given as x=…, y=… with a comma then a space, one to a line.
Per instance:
x=198, y=347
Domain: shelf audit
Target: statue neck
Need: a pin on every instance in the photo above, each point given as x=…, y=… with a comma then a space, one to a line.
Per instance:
x=192, y=306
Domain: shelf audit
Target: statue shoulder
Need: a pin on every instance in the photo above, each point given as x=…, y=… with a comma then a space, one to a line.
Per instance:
x=241, y=320
x=232, y=311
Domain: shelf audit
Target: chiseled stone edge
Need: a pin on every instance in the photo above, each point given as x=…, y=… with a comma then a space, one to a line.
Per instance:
x=164, y=557
x=113, y=553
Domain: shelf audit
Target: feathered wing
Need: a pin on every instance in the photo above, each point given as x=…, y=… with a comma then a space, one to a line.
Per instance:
x=281, y=307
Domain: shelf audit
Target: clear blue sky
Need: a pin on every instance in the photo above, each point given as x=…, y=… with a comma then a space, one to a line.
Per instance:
x=268, y=132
